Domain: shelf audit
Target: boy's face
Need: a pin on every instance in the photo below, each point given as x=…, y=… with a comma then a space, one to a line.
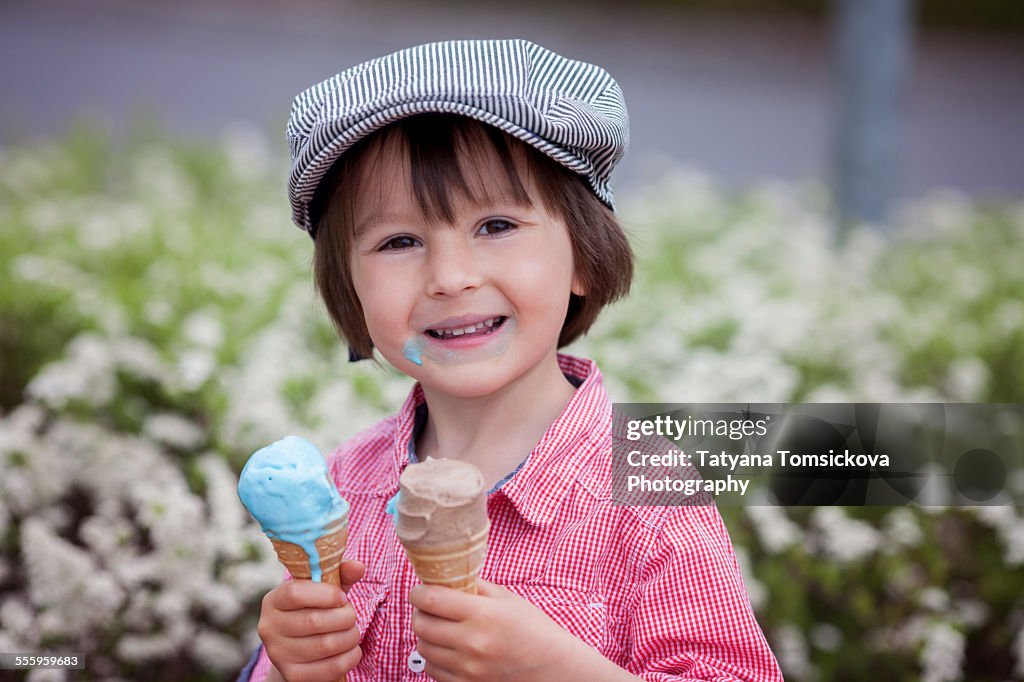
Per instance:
x=467, y=308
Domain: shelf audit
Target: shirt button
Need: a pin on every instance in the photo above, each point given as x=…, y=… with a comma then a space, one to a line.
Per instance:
x=416, y=662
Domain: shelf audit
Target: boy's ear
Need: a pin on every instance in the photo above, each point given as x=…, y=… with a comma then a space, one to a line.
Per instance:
x=577, y=285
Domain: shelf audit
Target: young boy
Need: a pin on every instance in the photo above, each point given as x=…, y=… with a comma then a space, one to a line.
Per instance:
x=458, y=198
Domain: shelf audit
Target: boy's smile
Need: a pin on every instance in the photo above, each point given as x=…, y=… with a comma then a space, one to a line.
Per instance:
x=466, y=308
x=465, y=327
x=445, y=345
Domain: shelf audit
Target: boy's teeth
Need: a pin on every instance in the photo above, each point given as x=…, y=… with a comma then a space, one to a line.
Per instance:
x=486, y=324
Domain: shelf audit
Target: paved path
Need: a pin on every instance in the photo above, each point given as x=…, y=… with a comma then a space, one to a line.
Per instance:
x=741, y=97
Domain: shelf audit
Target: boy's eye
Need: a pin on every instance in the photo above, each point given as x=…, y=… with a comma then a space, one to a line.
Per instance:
x=397, y=243
x=496, y=226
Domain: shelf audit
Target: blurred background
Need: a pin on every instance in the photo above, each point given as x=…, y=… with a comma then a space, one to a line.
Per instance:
x=742, y=89
x=827, y=204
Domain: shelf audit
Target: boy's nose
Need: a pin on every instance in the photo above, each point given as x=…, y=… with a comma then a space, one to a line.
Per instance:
x=452, y=268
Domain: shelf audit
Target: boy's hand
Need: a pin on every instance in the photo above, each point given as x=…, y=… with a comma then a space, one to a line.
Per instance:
x=497, y=635
x=309, y=629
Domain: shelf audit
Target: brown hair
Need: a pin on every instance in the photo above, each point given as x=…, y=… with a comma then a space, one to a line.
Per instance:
x=434, y=144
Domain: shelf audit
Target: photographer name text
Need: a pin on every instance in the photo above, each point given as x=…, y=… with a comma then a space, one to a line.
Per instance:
x=679, y=460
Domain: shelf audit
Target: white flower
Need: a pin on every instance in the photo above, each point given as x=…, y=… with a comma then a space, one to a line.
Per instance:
x=254, y=579
x=756, y=590
x=171, y=606
x=933, y=598
x=792, y=652
x=173, y=430
x=1009, y=527
x=159, y=178
x=221, y=603
x=141, y=359
x=337, y=398
x=86, y=374
x=776, y=531
x=176, y=524
x=17, y=617
x=843, y=538
x=157, y=311
x=66, y=581
x=138, y=615
x=47, y=675
x=1013, y=543
x=218, y=652
x=195, y=367
x=943, y=653
x=971, y=613
x=105, y=536
x=902, y=529
x=32, y=474
x=204, y=329
x=826, y=636
x=45, y=217
x=967, y=379
x=50, y=272
x=27, y=173
x=133, y=571
x=139, y=649
x=1018, y=652
x=227, y=516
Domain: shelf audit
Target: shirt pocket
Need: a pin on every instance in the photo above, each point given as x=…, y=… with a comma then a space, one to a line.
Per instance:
x=584, y=614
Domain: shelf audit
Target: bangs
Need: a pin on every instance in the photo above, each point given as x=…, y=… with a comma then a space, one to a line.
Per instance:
x=446, y=158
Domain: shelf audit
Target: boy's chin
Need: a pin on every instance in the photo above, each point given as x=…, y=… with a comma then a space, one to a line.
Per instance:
x=461, y=383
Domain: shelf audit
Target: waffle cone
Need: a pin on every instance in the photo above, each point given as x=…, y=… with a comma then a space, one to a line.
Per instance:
x=330, y=546
x=455, y=565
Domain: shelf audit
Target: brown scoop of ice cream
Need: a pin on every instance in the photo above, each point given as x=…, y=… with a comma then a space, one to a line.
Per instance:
x=441, y=501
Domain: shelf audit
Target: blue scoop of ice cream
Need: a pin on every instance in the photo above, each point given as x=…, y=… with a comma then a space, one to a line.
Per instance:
x=286, y=488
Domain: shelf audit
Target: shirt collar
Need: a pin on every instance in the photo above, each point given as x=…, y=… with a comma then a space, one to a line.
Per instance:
x=538, y=487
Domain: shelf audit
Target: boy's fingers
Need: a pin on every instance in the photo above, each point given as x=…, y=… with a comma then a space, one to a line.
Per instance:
x=306, y=622
x=306, y=594
x=443, y=602
x=439, y=674
x=441, y=661
x=437, y=631
x=318, y=647
x=486, y=589
x=328, y=670
x=351, y=572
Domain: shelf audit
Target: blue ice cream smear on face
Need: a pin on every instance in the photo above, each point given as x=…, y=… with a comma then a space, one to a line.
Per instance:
x=412, y=350
x=286, y=488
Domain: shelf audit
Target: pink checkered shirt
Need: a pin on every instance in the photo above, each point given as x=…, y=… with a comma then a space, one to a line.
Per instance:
x=657, y=590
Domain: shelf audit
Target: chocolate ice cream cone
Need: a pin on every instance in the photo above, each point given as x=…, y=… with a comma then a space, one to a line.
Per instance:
x=441, y=521
x=455, y=565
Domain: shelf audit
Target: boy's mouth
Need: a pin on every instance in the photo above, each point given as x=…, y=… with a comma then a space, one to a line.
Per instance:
x=483, y=328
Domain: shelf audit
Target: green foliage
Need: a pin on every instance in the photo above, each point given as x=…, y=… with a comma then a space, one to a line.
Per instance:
x=155, y=300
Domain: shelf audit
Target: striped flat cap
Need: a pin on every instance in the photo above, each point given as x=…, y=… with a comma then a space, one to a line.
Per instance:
x=570, y=110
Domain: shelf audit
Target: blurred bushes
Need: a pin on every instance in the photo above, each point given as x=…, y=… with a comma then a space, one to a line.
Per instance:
x=158, y=323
